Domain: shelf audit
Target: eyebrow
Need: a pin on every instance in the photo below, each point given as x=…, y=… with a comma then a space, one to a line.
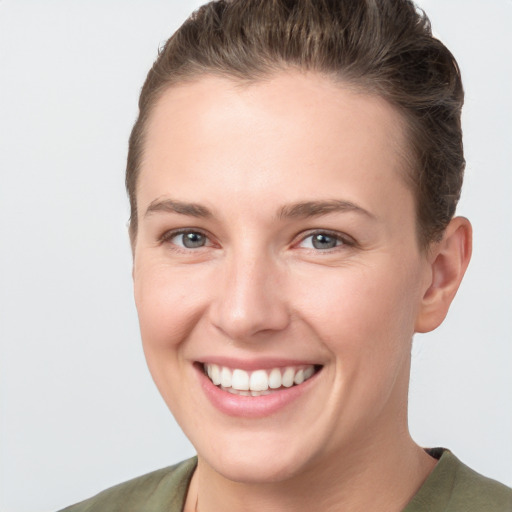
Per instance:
x=303, y=209
x=308, y=209
x=173, y=206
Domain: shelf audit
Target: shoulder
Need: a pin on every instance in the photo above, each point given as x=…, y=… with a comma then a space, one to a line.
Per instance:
x=158, y=491
x=475, y=492
x=454, y=487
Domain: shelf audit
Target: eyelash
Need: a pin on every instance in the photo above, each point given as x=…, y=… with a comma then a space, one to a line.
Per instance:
x=341, y=239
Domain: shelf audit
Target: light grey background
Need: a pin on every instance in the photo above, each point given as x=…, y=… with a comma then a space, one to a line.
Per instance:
x=79, y=411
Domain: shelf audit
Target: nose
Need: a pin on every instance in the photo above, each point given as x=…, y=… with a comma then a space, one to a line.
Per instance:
x=251, y=300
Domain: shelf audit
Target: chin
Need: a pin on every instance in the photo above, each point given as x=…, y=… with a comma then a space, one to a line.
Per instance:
x=261, y=470
x=258, y=461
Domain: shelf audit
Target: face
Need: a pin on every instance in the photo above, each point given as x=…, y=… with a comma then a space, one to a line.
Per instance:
x=277, y=251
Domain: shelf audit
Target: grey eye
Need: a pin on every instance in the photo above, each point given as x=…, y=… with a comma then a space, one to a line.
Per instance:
x=323, y=241
x=190, y=240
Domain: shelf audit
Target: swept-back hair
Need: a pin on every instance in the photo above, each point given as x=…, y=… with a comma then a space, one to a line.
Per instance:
x=383, y=47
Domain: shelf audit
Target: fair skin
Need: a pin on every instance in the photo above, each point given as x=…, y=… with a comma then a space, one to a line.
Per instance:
x=298, y=249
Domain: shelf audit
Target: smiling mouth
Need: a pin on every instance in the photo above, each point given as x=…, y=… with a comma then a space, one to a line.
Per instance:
x=258, y=382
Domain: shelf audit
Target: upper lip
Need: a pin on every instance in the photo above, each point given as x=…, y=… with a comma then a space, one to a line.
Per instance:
x=256, y=363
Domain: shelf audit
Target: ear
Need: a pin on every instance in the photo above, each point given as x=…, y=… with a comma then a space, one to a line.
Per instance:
x=448, y=260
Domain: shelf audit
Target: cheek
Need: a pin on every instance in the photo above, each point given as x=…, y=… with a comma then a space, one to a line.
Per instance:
x=366, y=310
x=365, y=318
x=169, y=303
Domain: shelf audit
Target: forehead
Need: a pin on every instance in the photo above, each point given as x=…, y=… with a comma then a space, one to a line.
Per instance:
x=299, y=129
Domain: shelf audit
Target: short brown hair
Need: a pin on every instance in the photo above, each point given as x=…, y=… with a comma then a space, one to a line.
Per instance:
x=384, y=47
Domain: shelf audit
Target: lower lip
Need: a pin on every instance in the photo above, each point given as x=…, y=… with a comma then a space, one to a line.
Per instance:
x=252, y=406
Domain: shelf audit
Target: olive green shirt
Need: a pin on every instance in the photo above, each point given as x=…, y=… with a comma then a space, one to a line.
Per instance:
x=451, y=487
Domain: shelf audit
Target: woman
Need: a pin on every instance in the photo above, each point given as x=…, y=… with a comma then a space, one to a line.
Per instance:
x=293, y=177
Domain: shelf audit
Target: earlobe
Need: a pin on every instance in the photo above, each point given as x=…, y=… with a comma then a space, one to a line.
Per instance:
x=449, y=260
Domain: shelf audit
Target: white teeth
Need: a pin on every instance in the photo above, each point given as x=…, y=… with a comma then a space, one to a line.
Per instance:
x=288, y=377
x=258, y=382
x=308, y=372
x=274, y=379
x=299, y=377
x=215, y=374
x=240, y=380
x=225, y=377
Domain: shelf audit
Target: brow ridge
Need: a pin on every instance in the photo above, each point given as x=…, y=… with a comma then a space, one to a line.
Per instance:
x=307, y=209
x=302, y=209
x=180, y=207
